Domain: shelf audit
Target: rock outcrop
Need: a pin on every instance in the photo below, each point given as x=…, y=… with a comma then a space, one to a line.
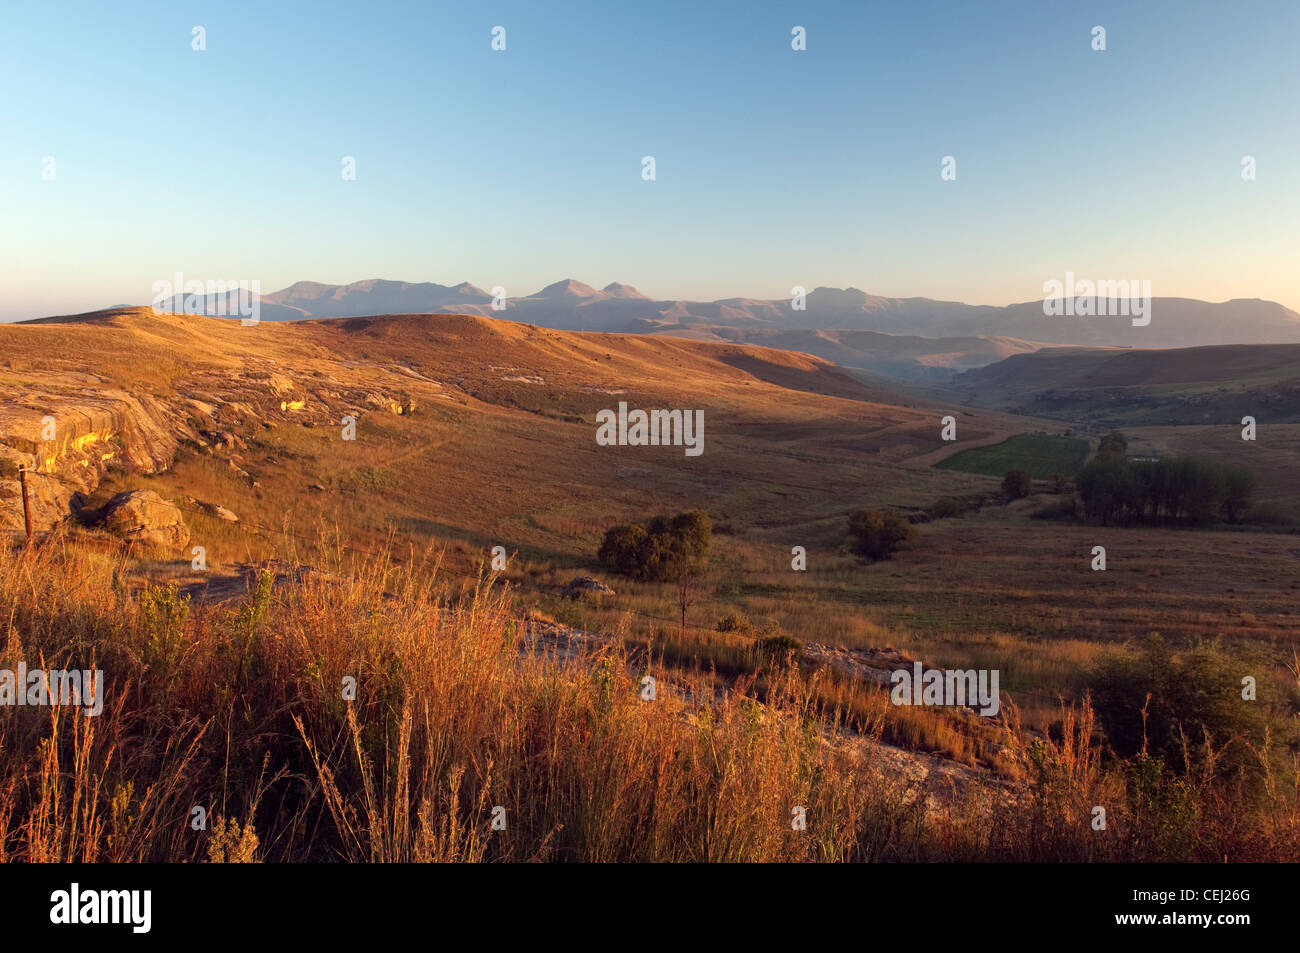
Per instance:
x=144, y=516
x=586, y=586
x=214, y=509
x=67, y=433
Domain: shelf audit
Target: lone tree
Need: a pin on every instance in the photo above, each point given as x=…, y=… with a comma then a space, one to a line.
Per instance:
x=1017, y=484
x=877, y=534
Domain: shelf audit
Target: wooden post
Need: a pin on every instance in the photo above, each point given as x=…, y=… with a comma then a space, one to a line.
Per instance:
x=27, y=512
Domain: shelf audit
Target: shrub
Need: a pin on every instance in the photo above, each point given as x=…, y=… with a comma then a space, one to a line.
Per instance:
x=735, y=622
x=660, y=550
x=622, y=547
x=776, y=649
x=161, y=621
x=1017, y=484
x=1113, y=445
x=1061, y=508
x=1185, y=708
x=877, y=534
x=946, y=507
x=1271, y=514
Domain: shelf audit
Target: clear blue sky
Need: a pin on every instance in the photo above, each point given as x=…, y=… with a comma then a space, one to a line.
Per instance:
x=775, y=167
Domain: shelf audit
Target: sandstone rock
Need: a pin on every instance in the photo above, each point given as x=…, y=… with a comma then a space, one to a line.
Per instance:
x=213, y=509
x=144, y=516
x=580, y=586
x=49, y=500
x=224, y=440
x=68, y=429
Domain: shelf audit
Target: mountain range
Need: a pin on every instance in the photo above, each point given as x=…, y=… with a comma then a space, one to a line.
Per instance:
x=915, y=338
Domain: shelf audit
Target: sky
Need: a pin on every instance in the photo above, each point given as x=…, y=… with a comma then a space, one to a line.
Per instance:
x=773, y=167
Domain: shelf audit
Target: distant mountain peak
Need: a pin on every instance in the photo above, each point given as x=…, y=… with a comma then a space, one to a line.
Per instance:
x=616, y=289
x=568, y=288
x=619, y=308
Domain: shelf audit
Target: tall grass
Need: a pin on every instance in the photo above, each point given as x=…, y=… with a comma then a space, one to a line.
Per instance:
x=471, y=739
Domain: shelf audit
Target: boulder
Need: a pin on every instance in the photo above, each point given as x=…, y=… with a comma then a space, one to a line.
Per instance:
x=580, y=586
x=221, y=513
x=144, y=516
x=213, y=509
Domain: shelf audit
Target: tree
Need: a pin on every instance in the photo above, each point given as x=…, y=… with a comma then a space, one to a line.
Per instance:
x=695, y=531
x=1172, y=490
x=1240, y=489
x=1107, y=487
x=661, y=550
x=1017, y=484
x=878, y=534
x=1114, y=444
x=622, y=548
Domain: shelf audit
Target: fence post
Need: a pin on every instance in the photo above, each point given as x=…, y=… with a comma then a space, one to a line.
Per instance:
x=27, y=512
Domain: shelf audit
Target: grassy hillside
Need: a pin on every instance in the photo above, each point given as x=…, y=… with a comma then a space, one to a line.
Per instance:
x=464, y=743
x=369, y=554
x=1121, y=387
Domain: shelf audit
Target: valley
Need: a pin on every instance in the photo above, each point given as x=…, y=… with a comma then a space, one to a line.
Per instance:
x=302, y=453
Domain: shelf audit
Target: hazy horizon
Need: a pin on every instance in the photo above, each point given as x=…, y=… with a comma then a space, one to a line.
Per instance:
x=598, y=287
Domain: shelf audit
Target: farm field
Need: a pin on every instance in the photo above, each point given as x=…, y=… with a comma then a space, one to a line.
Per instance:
x=1040, y=455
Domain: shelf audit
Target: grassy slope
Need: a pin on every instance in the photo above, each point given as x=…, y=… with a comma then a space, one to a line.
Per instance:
x=1122, y=387
x=792, y=443
x=240, y=708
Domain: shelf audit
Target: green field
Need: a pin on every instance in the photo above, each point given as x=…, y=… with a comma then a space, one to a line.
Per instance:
x=1041, y=455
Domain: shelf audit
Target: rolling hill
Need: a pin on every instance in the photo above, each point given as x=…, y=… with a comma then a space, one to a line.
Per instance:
x=914, y=338
x=1111, y=386
x=463, y=412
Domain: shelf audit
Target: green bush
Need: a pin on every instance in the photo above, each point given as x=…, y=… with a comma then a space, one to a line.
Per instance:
x=775, y=649
x=662, y=549
x=1017, y=484
x=1188, y=695
x=735, y=622
x=1113, y=445
x=946, y=507
x=621, y=550
x=877, y=534
x=161, y=622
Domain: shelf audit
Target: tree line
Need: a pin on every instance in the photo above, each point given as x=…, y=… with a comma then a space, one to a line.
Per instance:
x=1114, y=489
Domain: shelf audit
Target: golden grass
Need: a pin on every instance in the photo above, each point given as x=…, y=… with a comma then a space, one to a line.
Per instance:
x=239, y=709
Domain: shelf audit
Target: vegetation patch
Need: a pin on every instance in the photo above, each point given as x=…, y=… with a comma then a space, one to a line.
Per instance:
x=1042, y=456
